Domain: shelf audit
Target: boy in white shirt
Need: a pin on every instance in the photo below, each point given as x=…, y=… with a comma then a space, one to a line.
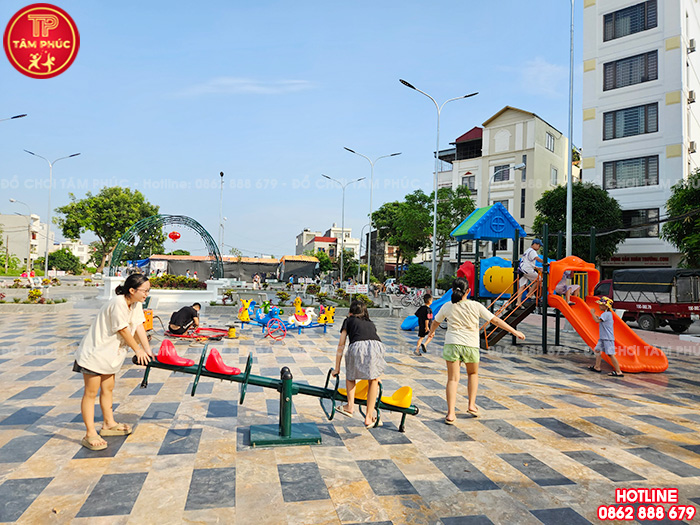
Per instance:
x=528, y=268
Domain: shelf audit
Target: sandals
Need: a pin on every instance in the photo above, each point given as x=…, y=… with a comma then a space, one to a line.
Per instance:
x=375, y=423
x=344, y=411
x=417, y=354
x=450, y=421
x=91, y=443
x=120, y=429
x=615, y=374
x=594, y=369
x=474, y=413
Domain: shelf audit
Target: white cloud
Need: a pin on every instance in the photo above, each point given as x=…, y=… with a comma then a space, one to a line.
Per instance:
x=539, y=77
x=245, y=86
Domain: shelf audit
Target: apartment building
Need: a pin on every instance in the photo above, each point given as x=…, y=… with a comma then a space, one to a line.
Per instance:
x=640, y=119
x=24, y=235
x=513, y=158
x=330, y=241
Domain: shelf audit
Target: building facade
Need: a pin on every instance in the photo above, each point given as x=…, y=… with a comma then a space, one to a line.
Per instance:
x=24, y=235
x=640, y=119
x=485, y=158
x=77, y=248
x=330, y=241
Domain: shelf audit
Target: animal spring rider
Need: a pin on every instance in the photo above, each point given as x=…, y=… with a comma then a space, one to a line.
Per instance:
x=286, y=432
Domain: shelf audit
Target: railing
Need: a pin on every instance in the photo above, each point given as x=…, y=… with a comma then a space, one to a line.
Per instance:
x=532, y=291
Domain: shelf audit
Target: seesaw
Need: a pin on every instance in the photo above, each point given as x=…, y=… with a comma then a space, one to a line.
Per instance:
x=286, y=432
x=201, y=334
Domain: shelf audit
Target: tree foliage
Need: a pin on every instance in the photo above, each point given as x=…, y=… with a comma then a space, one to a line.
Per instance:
x=416, y=276
x=350, y=264
x=592, y=206
x=453, y=207
x=324, y=261
x=65, y=261
x=684, y=233
x=179, y=252
x=108, y=215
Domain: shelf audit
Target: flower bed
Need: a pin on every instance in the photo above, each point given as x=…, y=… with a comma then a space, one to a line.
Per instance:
x=177, y=282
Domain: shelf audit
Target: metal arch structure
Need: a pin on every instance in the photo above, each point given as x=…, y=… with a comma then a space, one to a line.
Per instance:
x=137, y=231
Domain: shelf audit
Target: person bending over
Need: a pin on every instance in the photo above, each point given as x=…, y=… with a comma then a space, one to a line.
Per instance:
x=186, y=318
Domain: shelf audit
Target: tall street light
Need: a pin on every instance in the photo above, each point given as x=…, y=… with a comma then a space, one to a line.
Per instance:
x=29, y=232
x=569, y=178
x=48, y=219
x=371, y=187
x=16, y=116
x=359, y=266
x=342, y=220
x=437, y=160
x=221, y=207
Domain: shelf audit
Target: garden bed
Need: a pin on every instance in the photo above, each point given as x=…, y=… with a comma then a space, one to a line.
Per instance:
x=28, y=308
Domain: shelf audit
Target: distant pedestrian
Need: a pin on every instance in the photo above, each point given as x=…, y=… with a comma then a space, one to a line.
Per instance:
x=195, y=275
x=606, y=337
x=187, y=273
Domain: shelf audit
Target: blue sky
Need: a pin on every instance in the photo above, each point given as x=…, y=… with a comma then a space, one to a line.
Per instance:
x=164, y=97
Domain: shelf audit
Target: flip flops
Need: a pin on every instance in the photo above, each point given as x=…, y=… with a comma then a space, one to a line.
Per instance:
x=615, y=374
x=375, y=423
x=90, y=445
x=474, y=413
x=342, y=410
x=594, y=369
x=120, y=429
x=449, y=421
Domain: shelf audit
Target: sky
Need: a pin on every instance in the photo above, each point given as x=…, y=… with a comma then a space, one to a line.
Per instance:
x=163, y=96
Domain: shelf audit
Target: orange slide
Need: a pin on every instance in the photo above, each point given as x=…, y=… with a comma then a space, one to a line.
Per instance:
x=633, y=354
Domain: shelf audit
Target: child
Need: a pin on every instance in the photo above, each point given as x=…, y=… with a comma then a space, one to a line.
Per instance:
x=102, y=351
x=425, y=317
x=606, y=341
x=363, y=360
x=528, y=269
x=462, y=343
x=563, y=288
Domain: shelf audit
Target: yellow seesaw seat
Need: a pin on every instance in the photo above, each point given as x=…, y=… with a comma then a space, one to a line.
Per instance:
x=401, y=398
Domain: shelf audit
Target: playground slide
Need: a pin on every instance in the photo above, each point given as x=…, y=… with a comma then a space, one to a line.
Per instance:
x=411, y=322
x=633, y=354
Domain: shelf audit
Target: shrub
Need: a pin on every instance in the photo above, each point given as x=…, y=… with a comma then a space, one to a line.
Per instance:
x=322, y=298
x=33, y=296
x=445, y=282
x=416, y=276
x=177, y=282
x=46, y=281
x=228, y=296
x=265, y=286
x=341, y=294
x=289, y=286
x=282, y=297
x=363, y=299
x=312, y=289
x=55, y=281
x=87, y=280
x=16, y=299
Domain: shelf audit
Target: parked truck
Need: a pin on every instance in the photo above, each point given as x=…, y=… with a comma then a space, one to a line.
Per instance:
x=654, y=298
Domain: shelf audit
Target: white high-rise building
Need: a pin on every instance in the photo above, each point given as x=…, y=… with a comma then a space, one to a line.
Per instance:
x=641, y=123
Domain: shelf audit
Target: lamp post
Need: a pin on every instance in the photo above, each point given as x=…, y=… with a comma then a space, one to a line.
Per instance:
x=437, y=160
x=359, y=266
x=342, y=220
x=16, y=116
x=502, y=168
x=221, y=207
x=371, y=187
x=48, y=219
x=569, y=177
x=29, y=232
x=223, y=233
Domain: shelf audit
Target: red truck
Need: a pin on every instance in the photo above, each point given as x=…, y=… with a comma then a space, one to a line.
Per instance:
x=654, y=298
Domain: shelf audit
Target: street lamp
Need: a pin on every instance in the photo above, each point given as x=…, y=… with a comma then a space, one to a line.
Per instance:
x=437, y=160
x=500, y=169
x=223, y=233
x=569, y=178
x=29, y=232
x=342, y=221
x=221, y=207
x=359, y=266
x=371, y=187
x=16, y=116
x=48, y=219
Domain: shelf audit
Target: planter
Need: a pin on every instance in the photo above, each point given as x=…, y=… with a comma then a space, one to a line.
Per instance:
x=19, y=308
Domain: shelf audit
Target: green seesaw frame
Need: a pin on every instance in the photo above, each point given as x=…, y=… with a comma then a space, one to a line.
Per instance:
x=286, y=432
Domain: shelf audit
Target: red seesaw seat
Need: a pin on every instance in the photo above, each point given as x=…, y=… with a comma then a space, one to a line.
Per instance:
x=216, y=364
x=167, y=355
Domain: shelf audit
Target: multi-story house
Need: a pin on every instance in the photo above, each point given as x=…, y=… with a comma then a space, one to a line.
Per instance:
x=640, y=119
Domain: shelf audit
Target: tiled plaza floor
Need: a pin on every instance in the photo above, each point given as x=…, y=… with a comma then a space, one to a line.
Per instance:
x=553, y=442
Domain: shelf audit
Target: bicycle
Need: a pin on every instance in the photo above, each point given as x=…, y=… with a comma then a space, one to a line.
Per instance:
x=414, y=297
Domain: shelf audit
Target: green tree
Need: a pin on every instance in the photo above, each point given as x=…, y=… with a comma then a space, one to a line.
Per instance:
x=324, y=261
x=179, y=252
x=108, y=215
x=350, y=264
x=592, y=206
x=416, y=276
x=684, y=233
x=65, y=261
x=453, y=207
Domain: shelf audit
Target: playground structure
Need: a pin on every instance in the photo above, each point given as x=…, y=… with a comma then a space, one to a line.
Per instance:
x=268, y=317
x=494, y=278
x=285, y=432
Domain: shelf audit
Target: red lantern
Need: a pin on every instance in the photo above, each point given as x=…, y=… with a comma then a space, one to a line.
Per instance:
x=174, y=236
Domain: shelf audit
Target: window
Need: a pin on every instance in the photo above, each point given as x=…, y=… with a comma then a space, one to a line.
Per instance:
x=470, y=182
x=501, y=173
x=632, y=218
x=523, y=177
x=631, y=70
x=549, y=141
x=631, y=173
x=504, y=203
x=501, y=245
x=631, y=121
x=522, y=203
x=554, y=176
x=630, y=20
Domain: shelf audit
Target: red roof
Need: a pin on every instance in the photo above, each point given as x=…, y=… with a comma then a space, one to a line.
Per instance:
x=475, y=133
x=325, y=239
